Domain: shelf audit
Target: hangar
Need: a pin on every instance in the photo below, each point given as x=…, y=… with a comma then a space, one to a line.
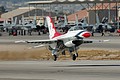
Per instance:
x=27, y=12
x=108, y=8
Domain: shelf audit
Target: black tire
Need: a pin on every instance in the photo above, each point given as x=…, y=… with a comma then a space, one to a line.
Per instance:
x=55, y=57
x=74, y=57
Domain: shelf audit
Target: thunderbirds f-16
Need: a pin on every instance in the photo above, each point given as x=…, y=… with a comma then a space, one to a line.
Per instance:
x=59, y=43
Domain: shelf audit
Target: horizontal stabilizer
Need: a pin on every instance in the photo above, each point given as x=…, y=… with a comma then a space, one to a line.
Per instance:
x=94, y=41
x=21, y=41
x=38, y=46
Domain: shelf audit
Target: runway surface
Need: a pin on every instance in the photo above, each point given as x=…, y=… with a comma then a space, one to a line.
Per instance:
x=60, y=70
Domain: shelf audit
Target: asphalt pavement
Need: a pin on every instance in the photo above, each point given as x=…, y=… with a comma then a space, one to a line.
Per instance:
x=60, y=70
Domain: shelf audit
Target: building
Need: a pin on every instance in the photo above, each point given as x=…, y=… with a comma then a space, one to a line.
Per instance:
x=28, y=13
x=119, y=13
x=103, y=10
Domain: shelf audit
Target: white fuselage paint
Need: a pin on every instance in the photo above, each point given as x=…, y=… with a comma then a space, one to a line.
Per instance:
x=70, y=34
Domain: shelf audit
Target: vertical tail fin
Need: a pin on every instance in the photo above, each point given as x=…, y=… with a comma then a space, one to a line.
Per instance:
x=15, y=21
x=85, y=21
x=97, y=18
x=23, y=20
x=52, y=30
x=4, y=23
x=12, y=21
x=34, y=20
x=65, y=20
x=76, y=19
x=104, y=20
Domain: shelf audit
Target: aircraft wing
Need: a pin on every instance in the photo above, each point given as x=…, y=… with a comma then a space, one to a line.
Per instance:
x=37, y=41
x=40, y=43
x=94, y=41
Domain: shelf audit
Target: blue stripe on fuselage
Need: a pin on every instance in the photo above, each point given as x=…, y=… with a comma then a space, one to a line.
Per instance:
x=79, y=34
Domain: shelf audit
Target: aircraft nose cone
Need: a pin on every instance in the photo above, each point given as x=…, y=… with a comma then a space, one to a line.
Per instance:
x=86, y=34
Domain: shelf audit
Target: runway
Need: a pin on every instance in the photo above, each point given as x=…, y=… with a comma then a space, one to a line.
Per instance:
x=60, y=70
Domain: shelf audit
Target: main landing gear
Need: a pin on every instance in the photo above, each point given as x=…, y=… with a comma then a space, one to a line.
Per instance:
x=75, y=55
x=56, y=52
x=55, y=57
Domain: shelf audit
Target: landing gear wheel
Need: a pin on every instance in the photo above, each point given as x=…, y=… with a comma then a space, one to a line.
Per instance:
x=74, y=57
x=76, y=54
x=55, y=57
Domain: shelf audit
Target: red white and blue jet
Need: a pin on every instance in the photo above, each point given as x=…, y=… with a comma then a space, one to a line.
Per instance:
x=58, y=43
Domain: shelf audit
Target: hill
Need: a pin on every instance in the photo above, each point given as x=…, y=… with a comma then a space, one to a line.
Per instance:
x=13, y=4
x=14, y=1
